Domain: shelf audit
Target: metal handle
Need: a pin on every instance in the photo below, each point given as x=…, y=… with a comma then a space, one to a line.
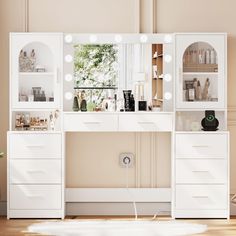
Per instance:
x=200, y=197
x=35, y=196
x=56, y=76
x=200, y=171
x=35, y=171
x=36, y=146
x=146, y=122
x=92, y=122
x=200, y=146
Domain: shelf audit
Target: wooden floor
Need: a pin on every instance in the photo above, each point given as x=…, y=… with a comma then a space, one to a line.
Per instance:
x=215, y=227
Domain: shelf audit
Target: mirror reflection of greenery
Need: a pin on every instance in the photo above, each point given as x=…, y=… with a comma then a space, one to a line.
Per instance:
x=96, y=65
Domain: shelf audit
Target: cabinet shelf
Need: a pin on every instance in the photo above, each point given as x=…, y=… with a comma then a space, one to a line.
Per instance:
x=200, y=73
x=36, y=73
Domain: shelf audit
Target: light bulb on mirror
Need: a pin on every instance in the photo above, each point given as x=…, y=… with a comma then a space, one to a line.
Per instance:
x=68, y=38
x=68, y=77
x=68, y=95
x=68, y=58
x=118, y=38
x=93, y=38
x=167, y=77
x=168, y=96
x=167, y=38
x=168, y=58
x=143, y=38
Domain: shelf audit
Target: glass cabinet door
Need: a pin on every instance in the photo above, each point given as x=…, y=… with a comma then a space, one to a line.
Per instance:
x=200, y=71
x=35, y=70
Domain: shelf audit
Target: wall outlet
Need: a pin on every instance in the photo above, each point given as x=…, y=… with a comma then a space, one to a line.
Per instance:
x=126, y=159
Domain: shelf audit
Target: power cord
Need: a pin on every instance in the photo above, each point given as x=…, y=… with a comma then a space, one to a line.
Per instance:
x=127, y=161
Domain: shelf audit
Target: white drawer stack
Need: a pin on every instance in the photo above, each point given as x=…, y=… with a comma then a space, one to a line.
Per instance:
x=35, y=173
x=201, y=175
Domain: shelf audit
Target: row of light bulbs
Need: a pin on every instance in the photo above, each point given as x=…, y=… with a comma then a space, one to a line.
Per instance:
x=118, y=38
x=93, y=38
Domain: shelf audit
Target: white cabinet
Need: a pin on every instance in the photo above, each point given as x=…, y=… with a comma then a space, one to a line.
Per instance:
x=201, y=71
x=35, y=174
x=201, y=175
x=36, y=69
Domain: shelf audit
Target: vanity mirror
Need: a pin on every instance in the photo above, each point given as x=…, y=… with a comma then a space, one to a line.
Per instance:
x=99, y=68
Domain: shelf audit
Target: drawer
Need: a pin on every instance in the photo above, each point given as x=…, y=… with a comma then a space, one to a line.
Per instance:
x=201, y=197
x=201, y=171
x=35, y=171
x=145, y=122
x=201, y=145
x=35, y=197
x=35, y=145
x=90, y=122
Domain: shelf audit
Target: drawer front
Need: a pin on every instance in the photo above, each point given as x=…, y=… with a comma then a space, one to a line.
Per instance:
x=35, y=171
x=90, y=122
x=35, y=146
x=35, y=197
x=201, y=197
x=201, y=145
x=145, y=122
x=201, y=171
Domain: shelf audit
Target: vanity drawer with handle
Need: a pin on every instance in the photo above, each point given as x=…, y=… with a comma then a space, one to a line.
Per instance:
x=145, y=122
x=35, y=197
x=35, y=171
x=35, y=145
x=201, y=145
x=90, y=122
x=201, y=171
x=201, y=197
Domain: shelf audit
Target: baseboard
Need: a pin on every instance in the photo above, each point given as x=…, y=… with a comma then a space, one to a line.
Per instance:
x=117, y=209
x=3, y=208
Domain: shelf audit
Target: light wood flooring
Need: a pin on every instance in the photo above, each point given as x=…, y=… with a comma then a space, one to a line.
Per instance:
x=215, y=227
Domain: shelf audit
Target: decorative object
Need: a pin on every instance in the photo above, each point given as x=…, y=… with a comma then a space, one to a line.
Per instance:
x=75, y=103
x=53, y=117
x=116, y=227
x=40, y=68
x=210, y=122
x=83, y=104
x=205, y=93
x=27, y=64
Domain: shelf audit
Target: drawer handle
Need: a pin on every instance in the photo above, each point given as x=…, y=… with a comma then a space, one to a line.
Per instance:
x=200, y=146
x=36, y=146
x=146, y=122
x=92, y=122
x=35, y=171
x=34, y=196
x=200, y=171
x=200, y=197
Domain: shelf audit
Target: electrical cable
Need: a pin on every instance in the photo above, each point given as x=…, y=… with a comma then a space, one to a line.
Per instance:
x=131, y=195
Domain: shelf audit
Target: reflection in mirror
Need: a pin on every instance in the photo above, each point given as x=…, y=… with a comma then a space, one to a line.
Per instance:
x=117, y=77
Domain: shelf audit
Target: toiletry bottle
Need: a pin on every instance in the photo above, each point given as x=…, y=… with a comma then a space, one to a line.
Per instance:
x=207, y=56
x=212, y=55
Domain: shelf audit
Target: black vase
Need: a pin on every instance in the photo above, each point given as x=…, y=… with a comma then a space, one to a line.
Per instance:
x=75, y=104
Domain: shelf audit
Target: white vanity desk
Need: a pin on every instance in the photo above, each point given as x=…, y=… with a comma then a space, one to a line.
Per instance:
x=199, y=160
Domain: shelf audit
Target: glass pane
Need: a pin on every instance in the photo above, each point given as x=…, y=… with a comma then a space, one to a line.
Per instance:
x=36, y=73
x=200, y=77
